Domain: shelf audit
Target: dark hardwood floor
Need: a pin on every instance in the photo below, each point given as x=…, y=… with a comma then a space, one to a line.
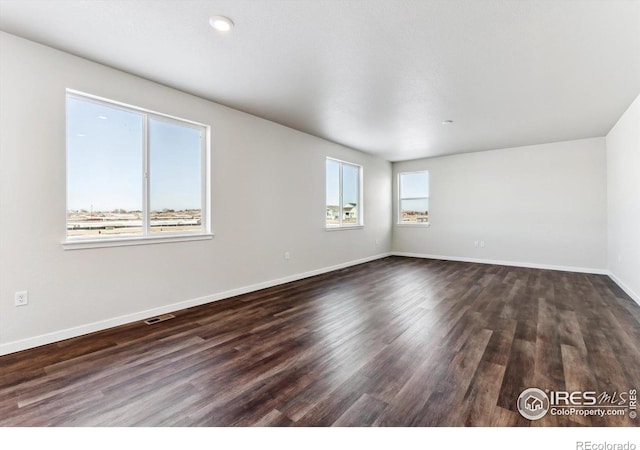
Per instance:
x=394, y=342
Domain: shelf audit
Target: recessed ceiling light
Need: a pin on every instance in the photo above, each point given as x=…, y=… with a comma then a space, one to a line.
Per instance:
x=102, y=117
x=80, y=135
x=221, y=23
x=447, y=122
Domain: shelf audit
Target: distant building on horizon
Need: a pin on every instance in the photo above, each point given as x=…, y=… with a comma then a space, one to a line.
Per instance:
x=350, y=211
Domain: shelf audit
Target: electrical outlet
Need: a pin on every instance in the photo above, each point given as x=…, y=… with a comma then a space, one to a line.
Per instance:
x=475, y=244
x=21, y=298
x=481, y=244
x=287, y=255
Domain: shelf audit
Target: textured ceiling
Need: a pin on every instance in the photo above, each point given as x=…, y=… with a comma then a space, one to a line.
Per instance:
x=376, y=75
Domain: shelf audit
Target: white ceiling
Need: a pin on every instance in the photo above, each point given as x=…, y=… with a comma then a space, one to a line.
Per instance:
x=376, y=75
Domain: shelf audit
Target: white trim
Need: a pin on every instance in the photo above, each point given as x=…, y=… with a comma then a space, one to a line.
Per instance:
x=505, y=263
x=126, y=106
x=146, y=183
x=413, y=225
x=625, y=288
x=79, y=244
x=207, y=206
x=344, y=227
x=340, y=193
x=56, y=336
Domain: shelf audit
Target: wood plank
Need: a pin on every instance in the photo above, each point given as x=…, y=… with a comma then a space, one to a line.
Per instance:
x=362, y=413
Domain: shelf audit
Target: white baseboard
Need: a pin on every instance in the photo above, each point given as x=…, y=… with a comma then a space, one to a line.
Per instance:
x=56, y=336
x=505, y=263
x=625, y=288
x=68, y=333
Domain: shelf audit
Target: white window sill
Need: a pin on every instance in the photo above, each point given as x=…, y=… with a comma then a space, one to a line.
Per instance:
x=344, y=227
x=81, y=243
x=414, y=225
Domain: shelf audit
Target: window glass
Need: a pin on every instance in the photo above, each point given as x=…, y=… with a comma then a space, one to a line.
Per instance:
x=350, y=194
x=333, y=193
x=175, y=176
x=413, y=198
x=104, y=170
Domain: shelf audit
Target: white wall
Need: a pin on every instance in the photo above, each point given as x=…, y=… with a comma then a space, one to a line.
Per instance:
x=540, y=205
x=275, y=171
x=623, y=182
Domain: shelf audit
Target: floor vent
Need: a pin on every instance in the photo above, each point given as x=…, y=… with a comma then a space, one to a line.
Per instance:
x=158, y=319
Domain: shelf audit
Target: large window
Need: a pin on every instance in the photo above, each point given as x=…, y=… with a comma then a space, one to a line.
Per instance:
x=413, y=204
x=132, y=173
x=344, y=199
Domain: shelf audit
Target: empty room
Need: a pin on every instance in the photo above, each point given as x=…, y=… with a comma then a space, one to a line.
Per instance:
x=376, y=213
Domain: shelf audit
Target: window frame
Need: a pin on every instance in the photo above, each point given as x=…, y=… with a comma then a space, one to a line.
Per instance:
x=360, y=208
x=399, y=221
x=146, y=236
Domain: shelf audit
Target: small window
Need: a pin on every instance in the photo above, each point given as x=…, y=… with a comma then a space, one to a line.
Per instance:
x=344, y=199
x=132, y=173
x=413, y=195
